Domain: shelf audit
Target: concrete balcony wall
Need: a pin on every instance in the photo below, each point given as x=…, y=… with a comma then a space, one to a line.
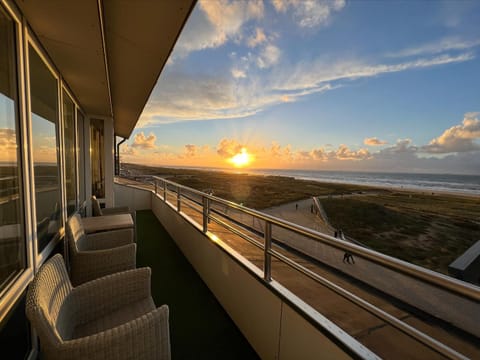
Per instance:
x=135, y=198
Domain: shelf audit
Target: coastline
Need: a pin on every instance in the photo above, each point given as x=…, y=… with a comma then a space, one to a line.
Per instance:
x=347, y=178
x=410, y=224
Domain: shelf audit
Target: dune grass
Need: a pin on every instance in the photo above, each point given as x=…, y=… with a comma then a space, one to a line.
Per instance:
x=254, y=191
x=427, y=230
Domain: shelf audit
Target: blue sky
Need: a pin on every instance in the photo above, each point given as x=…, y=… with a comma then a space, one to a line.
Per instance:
x=334, y=85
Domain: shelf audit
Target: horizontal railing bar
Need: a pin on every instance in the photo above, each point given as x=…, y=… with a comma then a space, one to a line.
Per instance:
x=237, y=232
x=372, y=309
x=414, y=271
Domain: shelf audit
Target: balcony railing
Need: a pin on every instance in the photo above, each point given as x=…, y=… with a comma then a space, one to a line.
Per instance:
x=283, y=242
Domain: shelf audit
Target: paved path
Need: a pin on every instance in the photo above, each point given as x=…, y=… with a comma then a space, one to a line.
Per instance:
x=301, y=215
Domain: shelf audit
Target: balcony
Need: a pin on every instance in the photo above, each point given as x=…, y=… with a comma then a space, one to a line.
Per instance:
x=289, y=305
x=199, y=327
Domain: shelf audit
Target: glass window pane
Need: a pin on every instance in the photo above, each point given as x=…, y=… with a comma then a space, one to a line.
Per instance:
x=70, y=162
x=12, y=244
x=81, y=157
x=44, y=105
x=97, y=158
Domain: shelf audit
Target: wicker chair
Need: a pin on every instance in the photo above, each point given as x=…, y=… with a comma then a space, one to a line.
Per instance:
x=113, y=317
x=98, y=211
x=96, y=255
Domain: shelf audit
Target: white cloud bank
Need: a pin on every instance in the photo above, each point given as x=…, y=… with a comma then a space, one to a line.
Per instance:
x=144, y=142
x=458, y=138
x=309, y=13
x=216, y=23
x=182, y=97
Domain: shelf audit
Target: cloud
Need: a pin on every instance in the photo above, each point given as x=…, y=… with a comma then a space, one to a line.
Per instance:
x=344, y=153
x=309, y=13
x=126, y=149
x=190, y=150
x=181, y=96
x=216, y=23
x=8, y=139
x=307, y=76
x=458, y=138
x=144, y=142
x=437, y=47
x=373, y=141
x=257, y=39
x=278, y=152
x=402, y=146
x=238, y=73
x=228, y=148
x=268, y=57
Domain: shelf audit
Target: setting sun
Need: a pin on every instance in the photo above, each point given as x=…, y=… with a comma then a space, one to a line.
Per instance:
x=243, y=158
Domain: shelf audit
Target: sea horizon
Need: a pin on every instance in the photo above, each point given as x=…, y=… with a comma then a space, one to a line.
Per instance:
x=468, y=184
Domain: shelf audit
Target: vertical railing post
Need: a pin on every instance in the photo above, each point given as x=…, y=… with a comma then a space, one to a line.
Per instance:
x=267, y=261
x=179, y=201
x=164, y=191
x=206, y=211
x=156, y=186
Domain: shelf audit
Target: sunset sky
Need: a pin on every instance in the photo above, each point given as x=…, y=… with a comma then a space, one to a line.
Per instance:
x=334, y=85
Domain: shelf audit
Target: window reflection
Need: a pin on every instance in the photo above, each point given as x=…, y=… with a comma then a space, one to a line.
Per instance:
x=97, y=158
x=81, y=157
x=12, y=245
x=70, y=163
x=43, y=92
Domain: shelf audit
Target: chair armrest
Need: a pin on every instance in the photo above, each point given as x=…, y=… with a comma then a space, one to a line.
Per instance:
x=116, y=210
x=99, y=297
x=109, y=239
x=91, y=265
x=147, y=337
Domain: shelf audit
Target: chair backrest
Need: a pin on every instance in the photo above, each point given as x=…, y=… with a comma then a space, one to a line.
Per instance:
x=75, y=234
x=47, y=307
x=97, y=210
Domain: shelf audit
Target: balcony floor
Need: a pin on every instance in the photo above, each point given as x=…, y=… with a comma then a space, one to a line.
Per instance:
x=199, y=326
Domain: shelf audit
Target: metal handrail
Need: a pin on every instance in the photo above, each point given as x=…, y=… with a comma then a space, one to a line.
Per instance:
x=269, y=252
x=414, y=271
x=381, y=314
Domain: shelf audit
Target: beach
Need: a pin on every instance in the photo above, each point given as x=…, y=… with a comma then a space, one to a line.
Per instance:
x=421, y=227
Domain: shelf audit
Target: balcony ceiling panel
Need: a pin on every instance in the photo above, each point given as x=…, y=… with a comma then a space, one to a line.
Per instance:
x=70, y=32
x=139, y=36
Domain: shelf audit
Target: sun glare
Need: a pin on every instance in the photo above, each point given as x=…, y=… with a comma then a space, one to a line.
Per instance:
x=243, y=158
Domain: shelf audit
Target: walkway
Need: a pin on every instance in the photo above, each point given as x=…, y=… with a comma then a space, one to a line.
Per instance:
x=199, y=327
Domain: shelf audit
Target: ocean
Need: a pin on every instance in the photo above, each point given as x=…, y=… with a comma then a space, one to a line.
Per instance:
x=460, y=184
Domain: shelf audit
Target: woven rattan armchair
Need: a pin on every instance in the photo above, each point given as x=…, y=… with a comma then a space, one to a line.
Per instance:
x=113, y=317
x=96, y=255
x=98, y=211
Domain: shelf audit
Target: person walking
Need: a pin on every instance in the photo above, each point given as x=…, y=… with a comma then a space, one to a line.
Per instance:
x=347, y=257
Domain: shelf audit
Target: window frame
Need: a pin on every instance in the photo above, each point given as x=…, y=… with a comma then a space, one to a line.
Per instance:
x=12, y=292
x=30, y=40
x=76, y=108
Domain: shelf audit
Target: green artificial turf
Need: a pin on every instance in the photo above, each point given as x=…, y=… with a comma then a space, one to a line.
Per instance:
x=199, y=327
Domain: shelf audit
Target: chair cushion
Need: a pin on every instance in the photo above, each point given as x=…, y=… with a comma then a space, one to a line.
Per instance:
x=76, y=234
x=97, y=210
x=115, y=318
